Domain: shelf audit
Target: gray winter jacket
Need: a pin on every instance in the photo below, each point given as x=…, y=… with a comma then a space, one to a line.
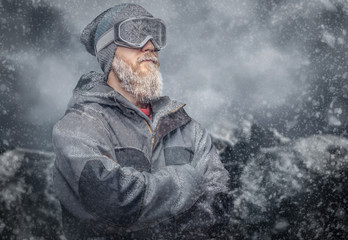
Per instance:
x=119, y=174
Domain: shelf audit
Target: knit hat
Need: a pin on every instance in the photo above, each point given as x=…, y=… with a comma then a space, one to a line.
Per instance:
x=102, y=23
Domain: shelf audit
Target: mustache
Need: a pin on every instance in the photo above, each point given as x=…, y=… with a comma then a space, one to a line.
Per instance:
x=149, y=57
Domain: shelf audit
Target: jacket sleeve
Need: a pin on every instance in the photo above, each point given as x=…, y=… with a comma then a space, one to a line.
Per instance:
x=212, y=212
x=112, y=193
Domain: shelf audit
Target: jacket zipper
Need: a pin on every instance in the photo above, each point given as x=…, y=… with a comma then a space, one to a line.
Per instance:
x=152, y=141
x=152, y=135
x=152, y=138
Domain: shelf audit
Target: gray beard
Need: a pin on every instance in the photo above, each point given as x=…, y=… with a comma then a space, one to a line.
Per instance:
x=145, y=87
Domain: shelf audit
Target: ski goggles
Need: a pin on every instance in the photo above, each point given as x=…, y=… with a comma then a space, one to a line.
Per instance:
x=135, y=33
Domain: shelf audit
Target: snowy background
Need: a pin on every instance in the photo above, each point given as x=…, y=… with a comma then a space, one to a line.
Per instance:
x=282, y=62
x=268, y=78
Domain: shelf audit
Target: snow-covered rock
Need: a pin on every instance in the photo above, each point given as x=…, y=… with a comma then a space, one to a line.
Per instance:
x=282, y=190
x=28, y=207
x=296, y=191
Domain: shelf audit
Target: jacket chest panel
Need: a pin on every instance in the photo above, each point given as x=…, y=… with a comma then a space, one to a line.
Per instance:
x=132, y=142
x=176, y=148
x=137, y=145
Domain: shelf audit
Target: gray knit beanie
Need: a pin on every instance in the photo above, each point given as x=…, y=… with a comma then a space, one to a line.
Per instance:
x=103, y=22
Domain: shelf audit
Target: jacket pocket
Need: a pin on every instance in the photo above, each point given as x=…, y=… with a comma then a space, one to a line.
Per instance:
x=132, y=157
x=177, y=155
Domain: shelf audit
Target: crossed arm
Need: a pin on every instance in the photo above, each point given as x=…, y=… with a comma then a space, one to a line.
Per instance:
x=129, y=198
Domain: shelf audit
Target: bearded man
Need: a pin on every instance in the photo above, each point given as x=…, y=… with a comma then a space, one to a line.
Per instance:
x=131, y=164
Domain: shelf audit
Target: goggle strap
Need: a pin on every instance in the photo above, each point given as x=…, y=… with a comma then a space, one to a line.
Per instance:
x=104, y=40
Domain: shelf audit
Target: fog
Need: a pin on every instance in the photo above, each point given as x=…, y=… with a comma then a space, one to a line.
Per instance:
x=267, y=78
x=222, y=57
x=219, y=53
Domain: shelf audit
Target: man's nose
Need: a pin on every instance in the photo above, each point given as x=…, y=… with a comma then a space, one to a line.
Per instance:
x=148, y=47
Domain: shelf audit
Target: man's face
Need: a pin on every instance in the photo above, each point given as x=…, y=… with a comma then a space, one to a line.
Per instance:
x=138, y=72
x=139, y=58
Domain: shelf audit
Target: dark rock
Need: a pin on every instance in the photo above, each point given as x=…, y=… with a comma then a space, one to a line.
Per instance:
x=297, y=191
x=29, y=209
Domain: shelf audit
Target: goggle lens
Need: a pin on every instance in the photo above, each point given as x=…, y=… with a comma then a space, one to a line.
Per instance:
x=137, y=32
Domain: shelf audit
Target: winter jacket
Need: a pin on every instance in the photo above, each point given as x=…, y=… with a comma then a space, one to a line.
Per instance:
x=120, y=175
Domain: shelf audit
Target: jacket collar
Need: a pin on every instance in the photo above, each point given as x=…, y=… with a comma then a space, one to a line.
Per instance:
x=93, y=88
